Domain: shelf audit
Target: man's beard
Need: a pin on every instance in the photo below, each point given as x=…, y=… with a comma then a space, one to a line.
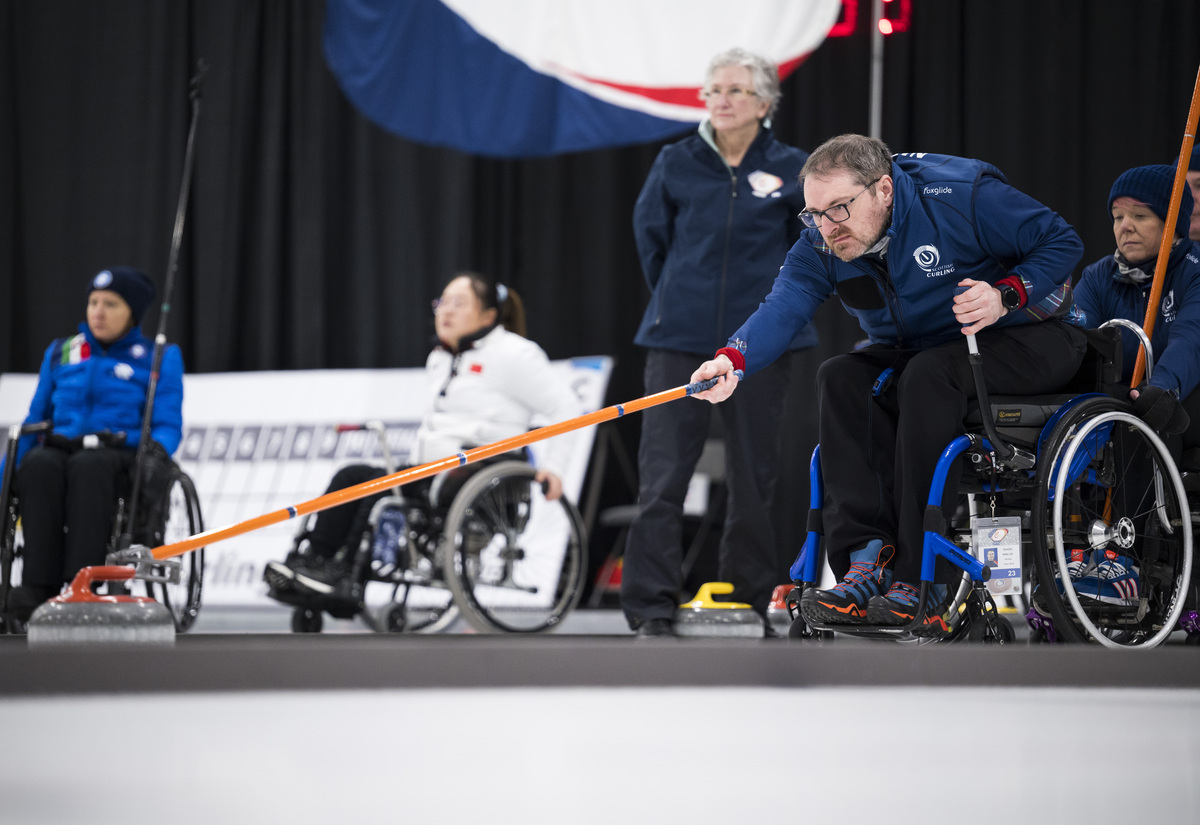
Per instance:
x=854, y=251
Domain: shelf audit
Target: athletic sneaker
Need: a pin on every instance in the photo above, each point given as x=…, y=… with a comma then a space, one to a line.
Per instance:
x=899, y=605
x=321, y=575
x=1081, y=563
x=846, y=602
x=280, y=576
x=1113, y=581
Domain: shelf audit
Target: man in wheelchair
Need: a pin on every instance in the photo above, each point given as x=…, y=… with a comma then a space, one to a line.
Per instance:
x=92, y=390
x=924, y=250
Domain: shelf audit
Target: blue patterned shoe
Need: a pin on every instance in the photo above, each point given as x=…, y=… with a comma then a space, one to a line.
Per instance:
x=846, y=602
x=1113, y=581
x=1080, y=563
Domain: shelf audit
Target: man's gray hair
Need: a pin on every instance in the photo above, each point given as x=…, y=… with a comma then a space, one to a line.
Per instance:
x=865, y=158
x=763, y=74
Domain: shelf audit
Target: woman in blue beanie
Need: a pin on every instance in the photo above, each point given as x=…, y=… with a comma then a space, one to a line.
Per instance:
x=1118, y=286
x=92, y=387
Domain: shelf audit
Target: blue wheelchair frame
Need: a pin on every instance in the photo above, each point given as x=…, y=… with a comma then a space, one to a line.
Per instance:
x=935, y=544
x=804, y=569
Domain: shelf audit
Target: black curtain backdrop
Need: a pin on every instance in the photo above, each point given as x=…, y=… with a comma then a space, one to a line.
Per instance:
x=315, y=240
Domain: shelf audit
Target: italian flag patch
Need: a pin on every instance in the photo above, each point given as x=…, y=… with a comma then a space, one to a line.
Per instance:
x=75, y=350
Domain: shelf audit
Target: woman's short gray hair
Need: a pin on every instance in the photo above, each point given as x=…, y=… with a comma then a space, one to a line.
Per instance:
x=763, y=74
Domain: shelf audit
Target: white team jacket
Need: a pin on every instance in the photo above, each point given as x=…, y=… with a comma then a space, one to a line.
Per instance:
x=491, y=391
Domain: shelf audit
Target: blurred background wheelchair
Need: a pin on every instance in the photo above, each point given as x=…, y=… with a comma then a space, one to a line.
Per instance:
x=168, y=511
x=480, y=541
x=1083, y=482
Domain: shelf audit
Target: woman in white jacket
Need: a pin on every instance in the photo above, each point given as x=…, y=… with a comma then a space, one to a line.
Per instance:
x=486, y=382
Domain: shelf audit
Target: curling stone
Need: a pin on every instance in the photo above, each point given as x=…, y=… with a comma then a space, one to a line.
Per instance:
x=82, y=617
x=777, y=610
x=707, y=617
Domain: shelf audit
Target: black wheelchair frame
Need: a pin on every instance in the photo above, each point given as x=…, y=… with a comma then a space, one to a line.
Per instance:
x=488, y=554
x=164, y=517
x=1083, y=473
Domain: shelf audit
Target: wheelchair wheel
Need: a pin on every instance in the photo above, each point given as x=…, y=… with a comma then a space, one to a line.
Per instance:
x=1107, y=485
x=514, y=561
x=10, y=564
x=415, y=609
x=183, y=520
x=307, y=620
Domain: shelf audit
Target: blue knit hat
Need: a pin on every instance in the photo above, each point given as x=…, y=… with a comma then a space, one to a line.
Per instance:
x=133, y=285
x=1194, y=166
x=1152, y=186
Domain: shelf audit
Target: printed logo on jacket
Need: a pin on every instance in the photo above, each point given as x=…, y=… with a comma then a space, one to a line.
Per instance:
x=929, y=259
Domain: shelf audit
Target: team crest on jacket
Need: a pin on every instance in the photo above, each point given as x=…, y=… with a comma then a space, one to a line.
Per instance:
x=1168, y=306
x=765, y=184
x=123, y=371
x=929, y=259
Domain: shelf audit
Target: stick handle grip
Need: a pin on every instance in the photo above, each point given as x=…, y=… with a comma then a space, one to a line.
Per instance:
x=701, y=386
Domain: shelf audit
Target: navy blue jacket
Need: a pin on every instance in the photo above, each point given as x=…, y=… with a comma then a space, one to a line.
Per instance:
x=712, y=238
x=952, y=218
x=1104, y=292
x=86, y=388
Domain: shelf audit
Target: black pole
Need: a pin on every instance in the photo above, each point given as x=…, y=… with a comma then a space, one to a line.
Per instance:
x=160, y=338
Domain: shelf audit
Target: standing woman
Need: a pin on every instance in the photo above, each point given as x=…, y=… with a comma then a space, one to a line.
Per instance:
x=92, y=388
x=713, y=223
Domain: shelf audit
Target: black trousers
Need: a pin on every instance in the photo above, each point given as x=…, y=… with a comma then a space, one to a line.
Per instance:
x=878, y=453
x=673, y=437
x=345, y=524
x=1191, y=404
x=68, y=503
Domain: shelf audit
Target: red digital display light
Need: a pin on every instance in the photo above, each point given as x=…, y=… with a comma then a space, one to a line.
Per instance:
x=897, y=14
x=896, y=17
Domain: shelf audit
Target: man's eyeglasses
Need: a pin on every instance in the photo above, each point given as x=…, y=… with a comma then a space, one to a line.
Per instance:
x=834, y=214
x=735, y=94
x=449, y=303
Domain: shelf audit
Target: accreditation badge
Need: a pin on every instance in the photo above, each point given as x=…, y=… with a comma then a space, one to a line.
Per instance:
x=996, y=542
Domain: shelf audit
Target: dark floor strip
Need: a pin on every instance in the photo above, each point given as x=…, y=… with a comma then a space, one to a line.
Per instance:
x=283, y=662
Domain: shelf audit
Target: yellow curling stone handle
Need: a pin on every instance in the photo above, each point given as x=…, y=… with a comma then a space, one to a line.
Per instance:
x=704, y=597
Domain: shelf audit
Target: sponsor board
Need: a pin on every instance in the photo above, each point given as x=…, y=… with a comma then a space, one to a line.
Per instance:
x=256, y=442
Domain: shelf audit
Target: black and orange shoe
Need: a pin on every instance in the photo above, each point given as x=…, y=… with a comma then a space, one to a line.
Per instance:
x=846, y=602
x=899, y=606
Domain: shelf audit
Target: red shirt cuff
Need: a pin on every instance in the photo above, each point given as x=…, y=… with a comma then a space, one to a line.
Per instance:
x=739, y=360
x=1015, y=283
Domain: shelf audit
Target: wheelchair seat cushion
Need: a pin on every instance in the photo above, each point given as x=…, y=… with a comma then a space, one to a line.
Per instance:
x=1018, y=411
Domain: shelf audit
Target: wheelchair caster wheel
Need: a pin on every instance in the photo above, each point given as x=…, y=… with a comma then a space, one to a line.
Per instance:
x=306, y=620
x=1002, y=634
x=392, y=619
x=13, y=625
x=799, y=631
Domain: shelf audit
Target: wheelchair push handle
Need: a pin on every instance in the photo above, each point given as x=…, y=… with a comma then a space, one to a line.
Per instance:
x=376, y=426
x=1005, y=452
